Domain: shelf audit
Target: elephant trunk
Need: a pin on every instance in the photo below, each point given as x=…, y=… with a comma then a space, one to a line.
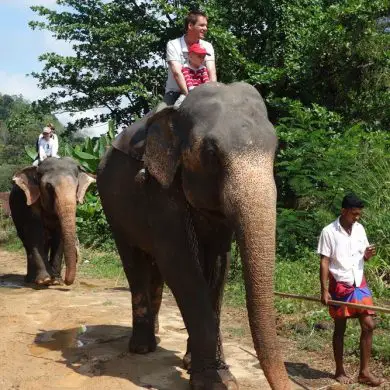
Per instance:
x=66, y=211
x=250, y=203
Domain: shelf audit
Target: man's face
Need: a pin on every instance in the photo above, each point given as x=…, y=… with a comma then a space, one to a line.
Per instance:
x=199, y=28
x=351, y=215
x=196, y=60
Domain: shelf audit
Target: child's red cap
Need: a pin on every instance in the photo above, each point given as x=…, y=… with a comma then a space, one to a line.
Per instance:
x=197, y=49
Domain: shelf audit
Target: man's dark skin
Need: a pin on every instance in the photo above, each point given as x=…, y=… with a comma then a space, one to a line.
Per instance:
x=347, y=218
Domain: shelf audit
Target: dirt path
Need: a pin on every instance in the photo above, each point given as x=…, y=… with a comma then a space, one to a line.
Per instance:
x=76, y=338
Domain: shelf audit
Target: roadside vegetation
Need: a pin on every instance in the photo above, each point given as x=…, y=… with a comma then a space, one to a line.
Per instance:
x=323, y=69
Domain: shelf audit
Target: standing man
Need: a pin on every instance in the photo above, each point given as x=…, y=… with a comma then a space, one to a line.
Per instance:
x=343, y=249
x=177, y=55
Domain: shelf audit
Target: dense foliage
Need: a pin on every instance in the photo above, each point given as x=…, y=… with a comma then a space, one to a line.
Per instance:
x=20, y=124
x=321, y=65
x=333, y=53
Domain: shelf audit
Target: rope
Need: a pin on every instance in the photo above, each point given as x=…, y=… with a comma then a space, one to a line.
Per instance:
x=334, y=303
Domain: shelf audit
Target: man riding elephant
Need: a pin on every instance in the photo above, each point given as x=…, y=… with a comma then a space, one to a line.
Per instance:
x=177, y=55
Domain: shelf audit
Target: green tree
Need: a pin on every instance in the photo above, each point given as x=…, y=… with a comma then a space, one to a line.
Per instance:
x=333, y=53
x=20, y=124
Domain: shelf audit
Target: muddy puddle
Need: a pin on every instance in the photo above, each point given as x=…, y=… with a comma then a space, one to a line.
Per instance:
x=81, y=336
x=59, y=340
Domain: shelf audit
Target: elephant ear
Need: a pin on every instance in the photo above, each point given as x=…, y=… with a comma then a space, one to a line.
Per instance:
x=84, y=181
x=162, y=154
x=27, y=180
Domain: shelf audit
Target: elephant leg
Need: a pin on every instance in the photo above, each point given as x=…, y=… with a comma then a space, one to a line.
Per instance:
x=31, y=269
x=56, y=256
x=37, y=250
x=39, y=258
x=215, y=266
x=178, y=261
x=31, y=236
x=138, y=269
x=156, y=292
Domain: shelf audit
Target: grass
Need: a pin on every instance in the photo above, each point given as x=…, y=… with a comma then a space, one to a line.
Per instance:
x=98, y=264
x=8, y=237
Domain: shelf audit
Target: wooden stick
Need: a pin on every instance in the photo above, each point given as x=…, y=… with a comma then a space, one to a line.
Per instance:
x=332, y=302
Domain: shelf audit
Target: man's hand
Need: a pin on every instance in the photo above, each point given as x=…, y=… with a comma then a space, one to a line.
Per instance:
x=325, y=297
x=369, y=252
x=176, y=67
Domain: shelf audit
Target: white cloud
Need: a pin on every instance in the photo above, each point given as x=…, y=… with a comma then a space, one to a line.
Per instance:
x=51, y=44
x=96, y=130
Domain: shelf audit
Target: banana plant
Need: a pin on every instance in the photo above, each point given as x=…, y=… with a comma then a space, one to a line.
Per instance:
x=31, y=152
x=89, y=153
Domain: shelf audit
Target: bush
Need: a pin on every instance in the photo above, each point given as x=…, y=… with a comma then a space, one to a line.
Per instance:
x=92, y=227
x=321, y=159
x=6, y=173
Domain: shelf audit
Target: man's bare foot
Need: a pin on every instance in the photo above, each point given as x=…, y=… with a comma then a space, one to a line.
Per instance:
x=370, y=380
x=343, y=378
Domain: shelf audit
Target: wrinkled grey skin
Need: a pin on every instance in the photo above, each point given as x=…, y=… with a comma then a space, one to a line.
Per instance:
x=43, y=207
x=209, y=174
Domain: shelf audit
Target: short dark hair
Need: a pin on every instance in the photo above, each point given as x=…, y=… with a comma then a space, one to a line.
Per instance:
x=192, y=17
x=351, y=201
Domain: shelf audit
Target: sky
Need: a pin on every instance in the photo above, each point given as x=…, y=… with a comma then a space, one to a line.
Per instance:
x=20, y=47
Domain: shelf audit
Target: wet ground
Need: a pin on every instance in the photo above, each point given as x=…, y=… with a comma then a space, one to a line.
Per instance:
x=76, y=338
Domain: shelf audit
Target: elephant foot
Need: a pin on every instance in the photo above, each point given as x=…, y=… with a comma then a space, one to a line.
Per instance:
x=187, y=361
x=142, y=341
x=211, y=379
x=43, y=279
x=56, y=281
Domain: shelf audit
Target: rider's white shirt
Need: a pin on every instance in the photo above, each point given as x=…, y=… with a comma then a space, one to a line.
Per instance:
x=177, y=51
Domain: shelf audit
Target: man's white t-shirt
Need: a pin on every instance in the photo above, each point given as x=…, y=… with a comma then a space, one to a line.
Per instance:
x=177, y=51
x=47, y=148
x=346, y=252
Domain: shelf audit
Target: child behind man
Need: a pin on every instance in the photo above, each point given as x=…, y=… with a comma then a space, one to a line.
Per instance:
x=195, y=73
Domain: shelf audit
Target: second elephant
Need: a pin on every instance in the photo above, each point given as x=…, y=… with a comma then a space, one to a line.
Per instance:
x=43, y=207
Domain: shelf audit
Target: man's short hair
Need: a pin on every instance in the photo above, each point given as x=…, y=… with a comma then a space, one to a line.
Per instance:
x=351, y=201
x=192, y=17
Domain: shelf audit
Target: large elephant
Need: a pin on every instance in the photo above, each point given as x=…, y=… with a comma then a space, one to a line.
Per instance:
x=43, y=207
x=206, y=172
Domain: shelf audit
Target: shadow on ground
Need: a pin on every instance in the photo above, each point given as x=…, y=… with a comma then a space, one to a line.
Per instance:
x=102, y=350
x=303, y=370
x=14, y=281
